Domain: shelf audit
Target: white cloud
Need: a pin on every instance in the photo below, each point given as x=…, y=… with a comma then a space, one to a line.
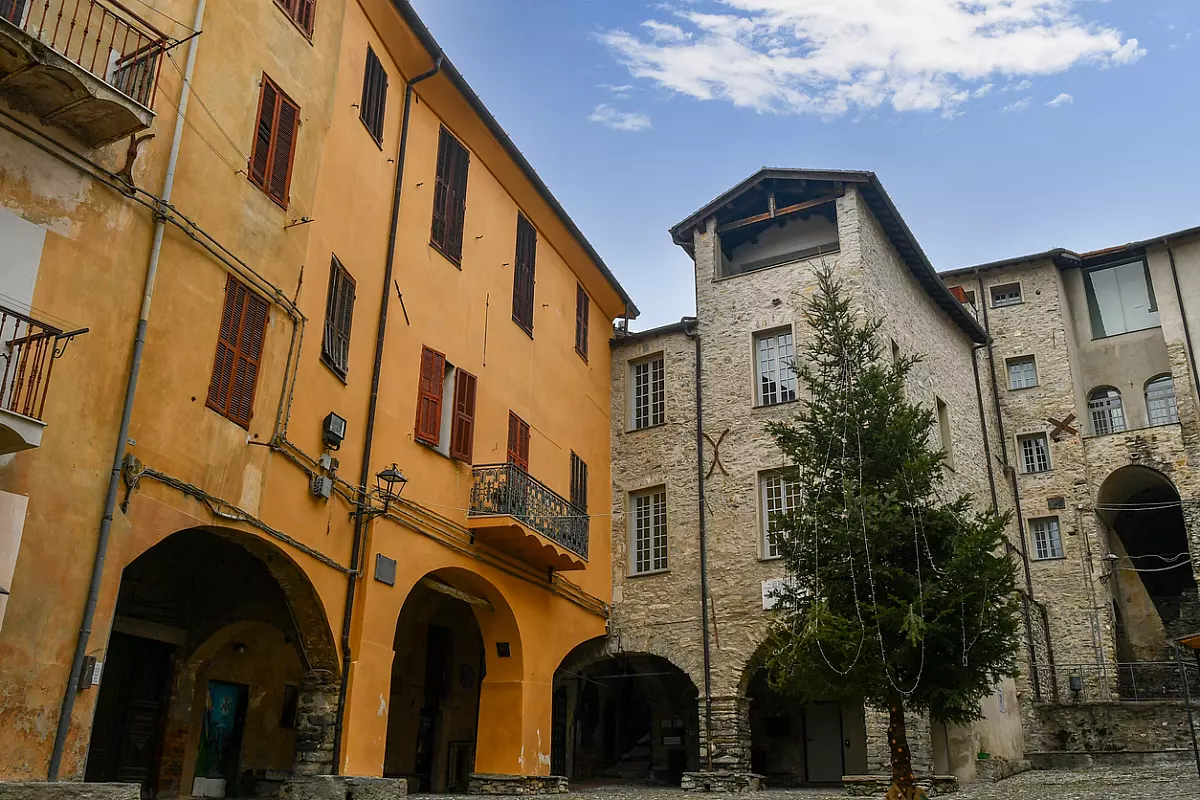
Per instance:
x=1062, y=100
x=1019, y=105
x=605, y=114
x=831, y=56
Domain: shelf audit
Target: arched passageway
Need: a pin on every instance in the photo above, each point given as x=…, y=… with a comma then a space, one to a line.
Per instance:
x=219, y=646
x=1151, y=578
x=629, y=717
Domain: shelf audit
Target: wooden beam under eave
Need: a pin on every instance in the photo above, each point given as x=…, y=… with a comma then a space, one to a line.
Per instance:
x=781, y=212
x=450, y=591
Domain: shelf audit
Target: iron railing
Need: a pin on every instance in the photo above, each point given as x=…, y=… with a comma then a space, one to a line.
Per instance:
x=1129, y=682
x=508, y=490
x=28, y=350
x=101, y=36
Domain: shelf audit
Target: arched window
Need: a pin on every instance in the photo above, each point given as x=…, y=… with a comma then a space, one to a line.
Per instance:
x=1160, y=401
x=1104, y=406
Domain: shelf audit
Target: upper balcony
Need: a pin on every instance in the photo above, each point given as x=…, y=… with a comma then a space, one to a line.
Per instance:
x=28, y=350
x=89, y=67
x=518, y=513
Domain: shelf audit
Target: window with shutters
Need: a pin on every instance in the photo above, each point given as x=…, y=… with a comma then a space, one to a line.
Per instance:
x=339, y=314
x=301, y=12
x=648, y=406
x=429, y=397
x=450, y=197
x=374, y=96
x=518, y=441
x=275, y=133
x=579, y=483
x=462, y=425
x=239, y=351
x=523, y=274
x=446, y=407
x=582, y=311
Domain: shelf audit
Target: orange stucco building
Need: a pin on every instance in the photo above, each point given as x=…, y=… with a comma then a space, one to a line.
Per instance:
x=328, y=260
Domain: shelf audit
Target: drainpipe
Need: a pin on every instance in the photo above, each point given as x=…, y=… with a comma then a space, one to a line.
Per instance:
x=987, y=445
x=360, y=515
x=114, y=479
x=1187, y=334
x=694, y=335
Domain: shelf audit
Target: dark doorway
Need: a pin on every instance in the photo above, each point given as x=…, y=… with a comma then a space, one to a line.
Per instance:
x=128, y=724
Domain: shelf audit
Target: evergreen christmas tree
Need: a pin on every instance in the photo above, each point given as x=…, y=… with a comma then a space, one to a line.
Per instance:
x=894, y=595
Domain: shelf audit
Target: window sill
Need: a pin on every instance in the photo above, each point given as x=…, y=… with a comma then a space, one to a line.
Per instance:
x=1033, y=474
x=521, y=325
x=435, y=449
x=834, y=253
x=1125, y=333
x=646, y=428
x=650, y=574
x=1024, y=388
x=770, y=559
x=757, y=406
x=308, y=35
x=1008, y=305
x=337, y=371
x=1048, y=559
x=456, y=262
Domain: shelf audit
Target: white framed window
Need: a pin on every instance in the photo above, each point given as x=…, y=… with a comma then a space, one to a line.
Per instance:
x=1047, y=538
x=773, y=358
x=649, y=392
x=1120, y=299
x=1106, y=412
x=1160, y=401
x=779, y=494
x=1022, y=372
x=1007, y=294
x=1035, y=453
x=649, y=531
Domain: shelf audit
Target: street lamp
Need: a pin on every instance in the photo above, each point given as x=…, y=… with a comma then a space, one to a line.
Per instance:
x=388, y=486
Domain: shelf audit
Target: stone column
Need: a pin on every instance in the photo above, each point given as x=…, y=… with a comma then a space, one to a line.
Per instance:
x=730, y=734
x=316, y=714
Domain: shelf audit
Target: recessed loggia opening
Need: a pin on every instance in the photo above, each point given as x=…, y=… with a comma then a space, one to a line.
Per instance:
x=778, y=223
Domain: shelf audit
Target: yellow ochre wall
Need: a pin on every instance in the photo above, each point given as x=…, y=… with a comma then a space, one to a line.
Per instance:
x=91, y=272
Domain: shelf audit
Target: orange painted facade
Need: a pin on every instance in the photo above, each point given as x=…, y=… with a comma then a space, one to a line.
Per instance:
x=196, y=469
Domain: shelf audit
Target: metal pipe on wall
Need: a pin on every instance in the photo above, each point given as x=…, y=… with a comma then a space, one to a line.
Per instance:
x=114, y=480
x=1187, y=333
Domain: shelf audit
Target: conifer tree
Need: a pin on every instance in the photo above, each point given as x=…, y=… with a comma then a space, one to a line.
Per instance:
x=894, y=595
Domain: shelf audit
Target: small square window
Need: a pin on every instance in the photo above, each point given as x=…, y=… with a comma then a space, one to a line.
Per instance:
x=1022, y=373
x=1035, y=453
x=1047, y=539
x=1008, y=294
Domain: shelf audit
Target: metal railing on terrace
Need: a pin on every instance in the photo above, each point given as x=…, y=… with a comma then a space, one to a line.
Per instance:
x=508, y=490
x=1127, y=682
x=101, y=36
x=28, y=350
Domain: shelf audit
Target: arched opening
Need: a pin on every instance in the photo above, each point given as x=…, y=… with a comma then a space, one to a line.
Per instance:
x=1106, y=411
x=628, y=718
x=218, y=644
x=1151, y=575
x=1161, y=407
x=455, y=636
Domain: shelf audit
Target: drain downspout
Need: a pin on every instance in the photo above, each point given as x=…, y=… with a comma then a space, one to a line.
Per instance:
x=114, y=479
x=987, y=445
x=360, y=515
x=1187, y=333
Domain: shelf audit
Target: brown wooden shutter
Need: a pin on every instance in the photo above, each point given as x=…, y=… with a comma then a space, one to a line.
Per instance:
x=518, y=441
x=239, y=351
x=264, y=134
x=284, y=150
x=582, y=310
x=275, y=134
x=339, y=318
x=462, y=431
x=524, y=273
x=450, y=196
x=579, y=472
x=306, y=13
x=373, y=107
x=429, y=397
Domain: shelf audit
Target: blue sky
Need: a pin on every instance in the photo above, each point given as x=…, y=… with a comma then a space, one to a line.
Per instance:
x=638, y=112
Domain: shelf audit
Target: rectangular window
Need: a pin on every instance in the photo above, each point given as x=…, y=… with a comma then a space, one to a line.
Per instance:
x=780, y=495
x=518, y=441
x=1106, y=411
x=582, y=312
x=429, y=397
x=462, y=426
x=579, y=483
x=274, y=150
x=523, y=274
x=239, y=350
x=1035, y=453
x=1022, y=373
x=1008, y=294
x=373, y=107
x=301, y=12
x=649, y=386
x=339, y=314
x=943, y=416
x=1120, y=299
x=1047, y=540
x=773, y=354
x=450, y=196
x=649, y=532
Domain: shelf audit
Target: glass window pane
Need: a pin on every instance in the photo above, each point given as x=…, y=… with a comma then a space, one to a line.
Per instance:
x=1120, y=299
x=1160, y=401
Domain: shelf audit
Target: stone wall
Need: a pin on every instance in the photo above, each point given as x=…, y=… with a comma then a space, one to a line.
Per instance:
x=1108, y=728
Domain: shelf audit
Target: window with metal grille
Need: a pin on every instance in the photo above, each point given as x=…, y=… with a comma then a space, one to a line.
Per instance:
x=523, y=274
x=301, y=12
x=239, y=351
x=374, y=96
x=1008, y=294
x=1106, y=411
x=582, y=312
x=429, y=397
x=1022, y=373
x=274, y=150
x=339, y=315
x=579, y=483
x=780, y=496
x=1160, y=401
x=649, y=393
x=649, y=532
x=1047, y=539
x=518, y=441
x=450, y=196
x=1035, y=453
x=773, y=364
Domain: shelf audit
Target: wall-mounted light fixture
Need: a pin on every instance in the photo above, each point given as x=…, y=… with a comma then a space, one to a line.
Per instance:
x=333, y=431
x=388, y=485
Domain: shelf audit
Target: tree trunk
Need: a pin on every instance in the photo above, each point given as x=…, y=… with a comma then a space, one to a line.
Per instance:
x=904, y=782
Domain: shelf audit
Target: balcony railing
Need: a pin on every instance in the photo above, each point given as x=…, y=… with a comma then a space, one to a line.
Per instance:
x=28, y=350
x=101, y=36
x=1129, y=682
x=508, y=490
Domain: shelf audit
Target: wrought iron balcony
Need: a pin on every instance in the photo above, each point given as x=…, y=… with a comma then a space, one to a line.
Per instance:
x=506, y=490
x=88, y=66
x=28, y=350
